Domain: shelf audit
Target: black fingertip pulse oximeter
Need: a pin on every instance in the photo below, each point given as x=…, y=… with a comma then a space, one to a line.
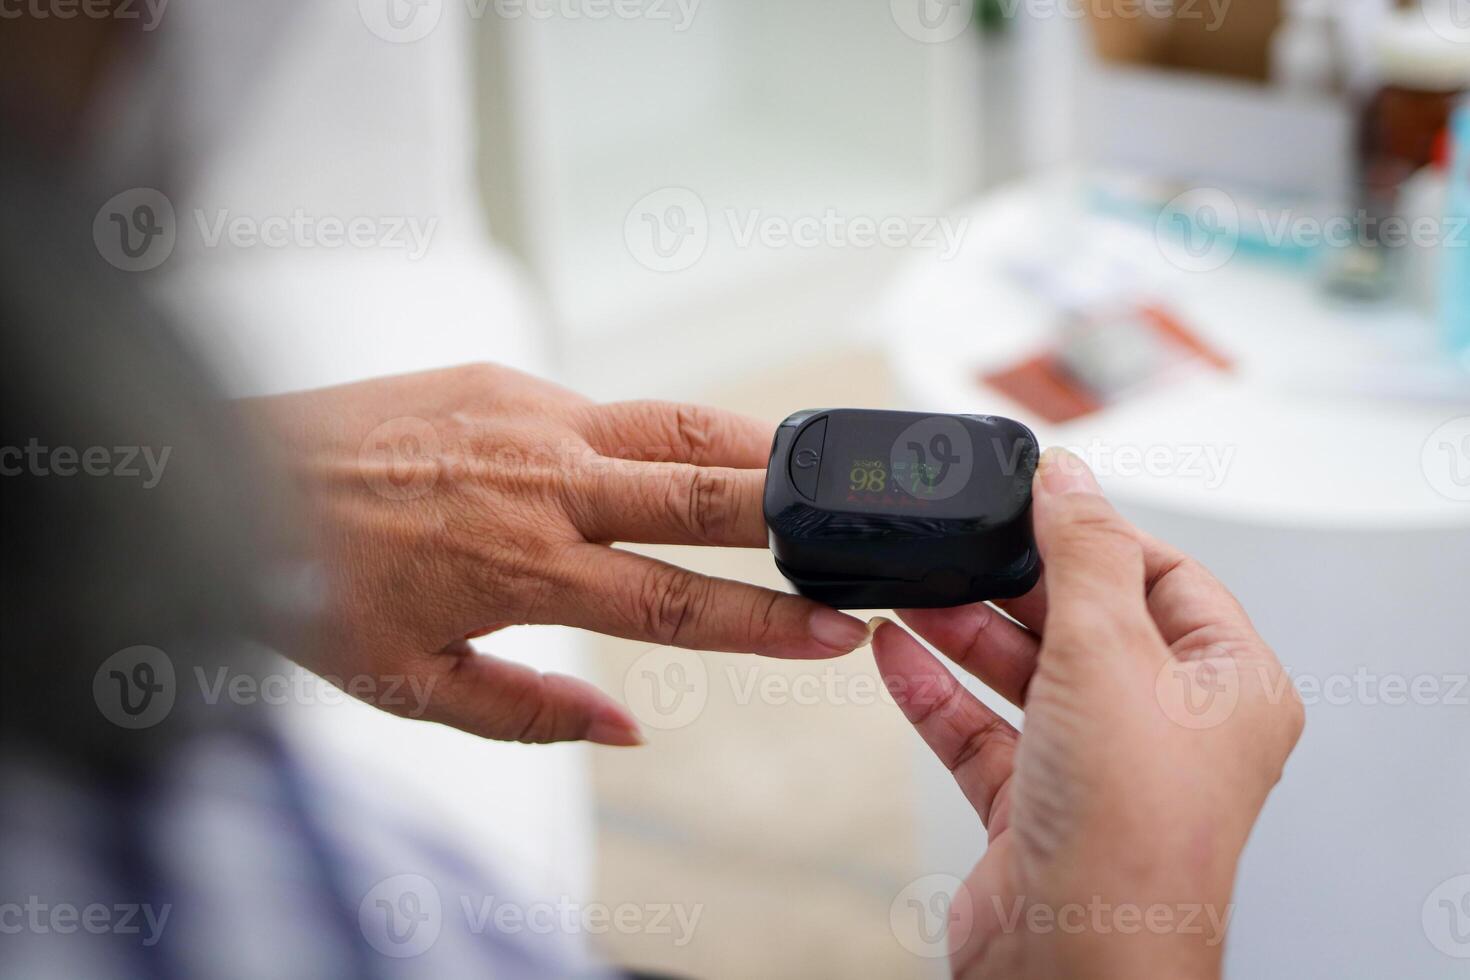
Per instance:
x=882, y=510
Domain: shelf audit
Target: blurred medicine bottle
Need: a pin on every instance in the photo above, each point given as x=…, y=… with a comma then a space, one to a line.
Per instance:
x=1423, y=72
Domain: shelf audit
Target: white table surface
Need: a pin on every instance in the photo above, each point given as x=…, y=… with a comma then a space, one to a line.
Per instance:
x=1323, y=421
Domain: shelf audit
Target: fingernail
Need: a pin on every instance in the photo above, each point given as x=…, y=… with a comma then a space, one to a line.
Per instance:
x=1062, y=472
x=838, y=631
x=877, y=623
x=613, y=731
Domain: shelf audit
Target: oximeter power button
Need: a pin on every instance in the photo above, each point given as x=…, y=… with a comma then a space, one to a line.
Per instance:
x=806, y=458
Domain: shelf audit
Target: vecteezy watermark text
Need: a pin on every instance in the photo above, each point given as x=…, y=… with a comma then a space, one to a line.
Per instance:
x=65, y=918
x=1207, y=464
x=407, y=21
x=669, y=230
x=405, y=458
x=927, y=920
x=1204, y=691
x=137, y=687
x=938, y=21
x=1101, y=917
x=1201, y=230
x=409, y=234
x=300, y=687
x=404, y=915
x=138, y=229
x=668, y=689
x=149, y=13
x=127, y=462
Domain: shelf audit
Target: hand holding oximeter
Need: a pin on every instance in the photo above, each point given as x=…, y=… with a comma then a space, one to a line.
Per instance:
x=874, y=509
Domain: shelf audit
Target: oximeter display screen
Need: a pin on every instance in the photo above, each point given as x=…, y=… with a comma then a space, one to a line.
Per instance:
x=872, y=509
x=920, y=466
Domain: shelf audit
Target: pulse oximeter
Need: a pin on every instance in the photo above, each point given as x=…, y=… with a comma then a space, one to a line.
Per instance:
x=883, y=510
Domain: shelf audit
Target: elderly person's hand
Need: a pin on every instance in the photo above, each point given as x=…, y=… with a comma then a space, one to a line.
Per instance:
x=452, y=503
x=1156, y=722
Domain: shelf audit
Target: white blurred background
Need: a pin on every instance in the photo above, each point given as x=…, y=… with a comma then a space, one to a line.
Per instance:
x=776, y=206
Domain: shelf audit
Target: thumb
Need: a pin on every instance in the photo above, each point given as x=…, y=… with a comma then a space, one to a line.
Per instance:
x=1093, y=560
x=500, y=699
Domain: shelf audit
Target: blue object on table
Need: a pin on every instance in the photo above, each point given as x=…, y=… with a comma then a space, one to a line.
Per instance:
x=1454, y=297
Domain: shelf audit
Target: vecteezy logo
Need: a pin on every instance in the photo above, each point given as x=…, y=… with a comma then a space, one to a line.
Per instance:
x=932, y=21
x=667, y=230
x=1446, y=917
x=401, y=916
x=1450, y=19
x=1445, y=459
x=400, y=458
x=666, y=688
x=1199, y=230
x=401, y=21
x=135, y=687
x=924, y=917
x=1201, y=692
x=135, y=230
x=932, y=459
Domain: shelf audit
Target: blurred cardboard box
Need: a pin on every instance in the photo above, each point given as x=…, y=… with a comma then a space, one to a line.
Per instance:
x=1181, y=93
x=1219, y=37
